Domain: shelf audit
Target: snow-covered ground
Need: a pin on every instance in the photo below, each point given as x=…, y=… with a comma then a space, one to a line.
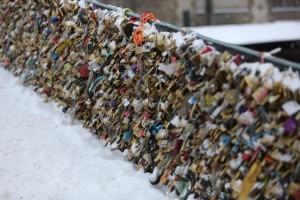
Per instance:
x=43, y=157
x=253, y=33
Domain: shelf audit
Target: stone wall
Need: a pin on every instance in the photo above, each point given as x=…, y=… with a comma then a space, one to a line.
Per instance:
x=165, y=10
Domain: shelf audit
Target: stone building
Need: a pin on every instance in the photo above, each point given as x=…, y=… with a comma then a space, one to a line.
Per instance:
x=213, y=12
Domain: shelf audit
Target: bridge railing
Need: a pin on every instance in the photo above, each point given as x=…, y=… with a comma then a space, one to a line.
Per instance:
x=251, y=55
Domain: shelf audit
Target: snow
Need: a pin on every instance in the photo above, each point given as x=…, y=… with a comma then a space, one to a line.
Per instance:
x=253, y=33
x=271, y=75
x=43, y=157
x=81, y=3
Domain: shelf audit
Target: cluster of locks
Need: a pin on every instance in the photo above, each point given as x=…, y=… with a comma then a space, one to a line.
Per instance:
x=204, y=123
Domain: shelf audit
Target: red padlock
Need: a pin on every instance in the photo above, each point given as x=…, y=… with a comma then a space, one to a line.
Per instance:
x=84, y=70
x=92, y=15
x=146, y=115
x=238, y=60
x=206, y=50
x=177, y=147
x=123, y=90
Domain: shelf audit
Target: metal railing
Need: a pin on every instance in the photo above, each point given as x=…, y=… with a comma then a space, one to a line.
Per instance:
x=252, y=55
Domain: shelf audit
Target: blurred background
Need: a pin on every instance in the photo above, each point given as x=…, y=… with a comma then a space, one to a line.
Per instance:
x=258, y=24
x=214, y=12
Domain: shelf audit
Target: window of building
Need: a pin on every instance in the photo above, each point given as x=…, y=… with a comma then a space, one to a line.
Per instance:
x=222, y=6
x=230, y=6
x=285, y=5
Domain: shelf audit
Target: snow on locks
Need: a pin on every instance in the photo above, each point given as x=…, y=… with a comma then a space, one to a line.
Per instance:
x=205, y=123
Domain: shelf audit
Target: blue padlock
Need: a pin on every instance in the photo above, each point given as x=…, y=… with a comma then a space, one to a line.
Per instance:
x=54, y=56
x=54, y=20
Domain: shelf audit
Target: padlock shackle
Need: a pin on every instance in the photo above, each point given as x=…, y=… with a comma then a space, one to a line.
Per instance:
x=252, y=55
